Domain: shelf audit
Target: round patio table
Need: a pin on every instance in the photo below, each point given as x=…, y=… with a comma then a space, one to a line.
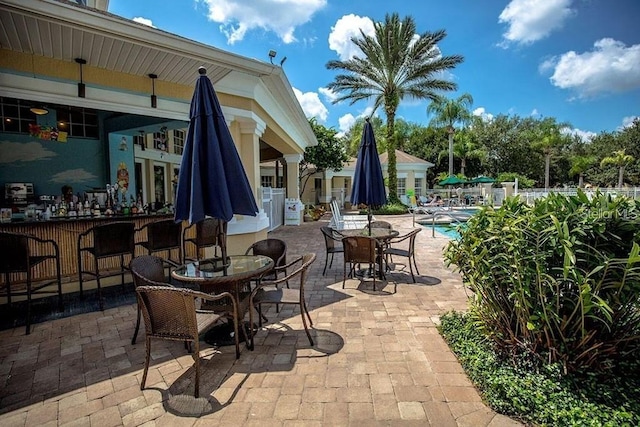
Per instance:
x=382, y=235
x=232, y=275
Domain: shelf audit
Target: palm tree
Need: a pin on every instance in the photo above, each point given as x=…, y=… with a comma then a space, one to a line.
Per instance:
x=395, y=65
x=465, y=149
x=548, y=140
x=579, y=165
x=449, y=112
x=620, y=160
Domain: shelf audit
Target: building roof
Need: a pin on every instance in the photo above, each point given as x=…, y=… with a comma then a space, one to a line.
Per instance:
x=64, y=30
x=402, y=158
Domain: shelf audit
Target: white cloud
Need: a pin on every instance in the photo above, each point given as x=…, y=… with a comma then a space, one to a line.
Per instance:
x=585, y=135
x=328, y=94
x=73, y=175
x=311, y=105
x=145, y=21
x=11, y=152
x=609, y=67
x=481, y=112
x=345, y=123
x=535, y=113
x=628, y=121
x=347, y=27
x=280, y=16
x=532, y=20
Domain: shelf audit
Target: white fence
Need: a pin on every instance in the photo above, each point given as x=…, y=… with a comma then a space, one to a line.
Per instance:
x=273, y=205
x=531, y=194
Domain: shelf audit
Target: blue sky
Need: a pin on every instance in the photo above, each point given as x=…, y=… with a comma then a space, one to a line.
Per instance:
x=575, y=60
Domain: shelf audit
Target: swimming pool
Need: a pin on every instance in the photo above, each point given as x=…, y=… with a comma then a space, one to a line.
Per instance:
x=449, y=231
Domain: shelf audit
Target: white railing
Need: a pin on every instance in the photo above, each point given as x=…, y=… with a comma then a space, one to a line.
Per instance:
x=531, y=194
x=273, y=205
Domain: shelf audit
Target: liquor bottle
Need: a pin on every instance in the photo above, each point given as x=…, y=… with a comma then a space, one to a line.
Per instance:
x=62, y=210
x=87, y=205
x=96, y=208
x=132, y=205
x=72, y=210
x=125, y=205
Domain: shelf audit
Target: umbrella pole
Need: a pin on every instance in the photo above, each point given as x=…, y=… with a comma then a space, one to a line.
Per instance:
x=369, y=218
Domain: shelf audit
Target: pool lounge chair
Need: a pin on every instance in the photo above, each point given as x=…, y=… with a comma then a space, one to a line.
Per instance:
x=346, y=222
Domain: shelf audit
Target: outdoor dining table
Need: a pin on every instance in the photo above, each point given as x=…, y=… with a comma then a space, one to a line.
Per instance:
x=232, y=275
x=382, y=235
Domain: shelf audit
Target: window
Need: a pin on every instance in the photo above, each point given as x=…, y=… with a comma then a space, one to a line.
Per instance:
x=16, y=116
x=402, y=186
x=418, y=188
x=178, y=141
x=78, y=122
x=280, y=182
x=266, y=181
x=139, y=141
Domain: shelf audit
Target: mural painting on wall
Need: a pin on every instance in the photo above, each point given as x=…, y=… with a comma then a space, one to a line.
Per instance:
x=123, y=177
x=48, y=133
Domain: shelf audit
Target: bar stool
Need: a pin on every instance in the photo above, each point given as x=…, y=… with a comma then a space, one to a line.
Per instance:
x=109, y=240
x=209, y=232
x=20, y=253
x=165, y=235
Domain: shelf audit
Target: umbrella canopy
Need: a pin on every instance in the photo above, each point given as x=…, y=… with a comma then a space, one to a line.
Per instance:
x=212, y=181
x=368, y=183
x=482, y=180
x=452, y=180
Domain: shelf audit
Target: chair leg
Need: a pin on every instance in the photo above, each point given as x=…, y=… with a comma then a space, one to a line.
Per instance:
x=146, y=363
x=196, y=361
x=95, y=264
x=135, y=333
x=326, y=259
x=59, y=279
x=303, y=309
x=28, y=331
x=415, y=264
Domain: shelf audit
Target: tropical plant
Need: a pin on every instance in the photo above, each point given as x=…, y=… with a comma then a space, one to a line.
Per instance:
x=448, y=113
x=559, y=280
x=395, y=64
x=466, y=149
x=579, y=165
x=548, y=138
x=620, y=160
x=523, y=181
x=328, y=154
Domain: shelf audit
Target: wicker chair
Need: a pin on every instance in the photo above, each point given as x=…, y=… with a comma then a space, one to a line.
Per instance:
x=267, y=292
x=210, y=232
x=330, y=239
x=171, y=314
x=275, y=249
x=20, y=253
x=147, y=270
x=163, y=236
x=361, y=249
x=407, y=251
x=109, y=240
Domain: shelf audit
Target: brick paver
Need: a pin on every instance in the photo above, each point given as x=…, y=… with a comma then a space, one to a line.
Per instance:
x=378, y=359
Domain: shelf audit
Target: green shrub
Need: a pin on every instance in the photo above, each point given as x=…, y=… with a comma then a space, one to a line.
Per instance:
x=539, y=393
x=391, y=209
x=559, y=280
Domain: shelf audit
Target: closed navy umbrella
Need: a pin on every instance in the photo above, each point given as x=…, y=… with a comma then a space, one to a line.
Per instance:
x=212, y=181
x=368, y=183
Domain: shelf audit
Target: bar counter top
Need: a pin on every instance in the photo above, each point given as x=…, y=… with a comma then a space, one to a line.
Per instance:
x=68, y=219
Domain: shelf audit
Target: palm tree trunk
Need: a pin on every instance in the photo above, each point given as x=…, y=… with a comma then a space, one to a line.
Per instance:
x=392, y=172
x=621, y=177
x=547, y=163
x=450, y=152
x=463, y=164
x=581, y=180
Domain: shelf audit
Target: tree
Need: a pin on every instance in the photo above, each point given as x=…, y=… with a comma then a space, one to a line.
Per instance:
x=579, y=165
x=395, y=64
x=329, y=154
x=466, y=149
x=620, y=160
x=548, y=138
x=449, y=112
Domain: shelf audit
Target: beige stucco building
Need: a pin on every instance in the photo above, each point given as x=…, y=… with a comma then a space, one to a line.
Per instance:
x=119, y=92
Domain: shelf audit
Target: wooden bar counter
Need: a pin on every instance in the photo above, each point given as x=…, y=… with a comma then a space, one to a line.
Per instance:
x=65, y=232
